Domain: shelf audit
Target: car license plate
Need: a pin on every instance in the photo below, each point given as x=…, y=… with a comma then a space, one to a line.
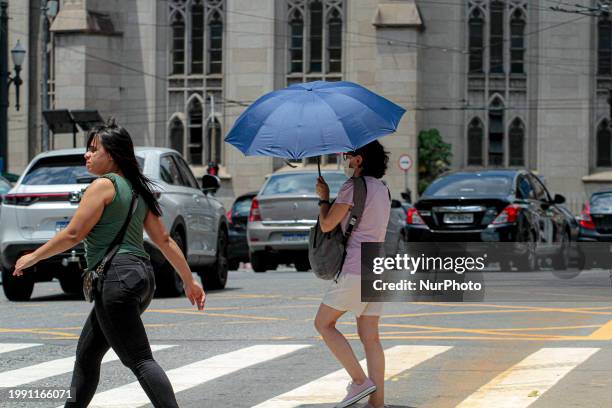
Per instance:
x=295, y=237
x=458, y=218
x=60, y=225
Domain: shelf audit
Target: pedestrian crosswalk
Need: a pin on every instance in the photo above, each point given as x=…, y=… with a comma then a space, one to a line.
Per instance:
x=518, y=385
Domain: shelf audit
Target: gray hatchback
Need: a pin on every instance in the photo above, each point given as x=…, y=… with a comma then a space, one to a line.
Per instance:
x=282, y=214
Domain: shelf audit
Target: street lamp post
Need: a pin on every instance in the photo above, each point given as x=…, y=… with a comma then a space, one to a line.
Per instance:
x=18, y=55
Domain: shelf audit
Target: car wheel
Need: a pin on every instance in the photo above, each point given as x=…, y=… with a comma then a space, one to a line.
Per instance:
x=71, y=283
x=527, y=261
x=16, y=288
x=215, y=276
x=258, y=262
x=233, y=265
x=168, y=281
x=561, y=259
x=302, y=264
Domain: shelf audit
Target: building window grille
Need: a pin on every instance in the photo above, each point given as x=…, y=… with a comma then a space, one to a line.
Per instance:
x=517, y=43
x=604, y=145
x=496, y=38
x=516, y=136
x=476, y=29
x=475, y=137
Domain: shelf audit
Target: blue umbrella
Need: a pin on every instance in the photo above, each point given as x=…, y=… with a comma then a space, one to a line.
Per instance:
x=312, y=119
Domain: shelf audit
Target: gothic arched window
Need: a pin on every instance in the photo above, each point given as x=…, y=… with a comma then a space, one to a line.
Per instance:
x=296, y=45
x=314, y=40
x=334, y=42
x=316, y=36
x=476, y=38
x=474, y=146
x=197, y=37
x=496, y=133
x=195, y=131
x=604, y=45
x=496, y=37
x=215, y=44
x=177, y=135
x=178, y=44
x=516, y=136
x=517, y=43
x=604, y=145
x=213, y=141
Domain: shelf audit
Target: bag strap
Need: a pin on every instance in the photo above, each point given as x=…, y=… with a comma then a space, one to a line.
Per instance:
x=360, y=193
x=114, y=246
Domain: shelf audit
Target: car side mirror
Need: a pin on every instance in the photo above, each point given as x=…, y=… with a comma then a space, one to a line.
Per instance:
x=559, y=199
x=210, y=184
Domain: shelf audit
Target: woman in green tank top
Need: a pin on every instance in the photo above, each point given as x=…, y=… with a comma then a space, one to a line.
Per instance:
x=129, y=282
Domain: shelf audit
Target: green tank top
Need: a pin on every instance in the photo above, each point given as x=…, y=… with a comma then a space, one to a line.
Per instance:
x=104, y=232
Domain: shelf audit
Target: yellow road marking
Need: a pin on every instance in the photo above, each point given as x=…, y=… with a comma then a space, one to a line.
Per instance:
x=603, y=333
x=238, y=316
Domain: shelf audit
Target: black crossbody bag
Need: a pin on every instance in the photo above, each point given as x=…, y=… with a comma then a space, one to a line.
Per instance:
x=92, y=279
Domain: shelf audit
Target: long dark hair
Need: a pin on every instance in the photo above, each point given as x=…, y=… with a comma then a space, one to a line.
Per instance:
x=375, y=159
x=118, y=143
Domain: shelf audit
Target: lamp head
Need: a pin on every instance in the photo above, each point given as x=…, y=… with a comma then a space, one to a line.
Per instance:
x=18, y=53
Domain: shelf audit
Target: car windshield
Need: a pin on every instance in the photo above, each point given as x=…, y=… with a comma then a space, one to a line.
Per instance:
x=62, y=170
x=601, y=203
x=59, y=170
x=242, y=207
x=301, y=183
x=467, y=185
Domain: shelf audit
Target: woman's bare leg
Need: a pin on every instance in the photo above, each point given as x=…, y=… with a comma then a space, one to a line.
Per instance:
x=325, y=323
x=367, y=326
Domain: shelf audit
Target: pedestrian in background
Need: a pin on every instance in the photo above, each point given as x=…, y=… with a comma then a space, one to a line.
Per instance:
x=370, y=162
x=129, y=282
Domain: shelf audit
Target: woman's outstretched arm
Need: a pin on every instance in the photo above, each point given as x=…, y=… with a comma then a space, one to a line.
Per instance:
x=160, y=237
x=99, y=194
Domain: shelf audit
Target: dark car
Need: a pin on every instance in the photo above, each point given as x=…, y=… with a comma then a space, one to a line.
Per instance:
x=493, y=206
x=596, y=229
x=238, y=216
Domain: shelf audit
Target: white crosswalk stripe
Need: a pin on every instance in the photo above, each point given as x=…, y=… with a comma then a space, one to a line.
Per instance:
x=8, y=347
x=189, y=376
x=51, y=368
x=330, y=388
x=517, y=387
x=522, y=384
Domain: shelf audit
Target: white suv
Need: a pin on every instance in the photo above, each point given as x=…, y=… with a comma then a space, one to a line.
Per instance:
x=47, y=195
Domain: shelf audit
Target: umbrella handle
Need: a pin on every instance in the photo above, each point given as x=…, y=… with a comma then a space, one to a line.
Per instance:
x=319, y=165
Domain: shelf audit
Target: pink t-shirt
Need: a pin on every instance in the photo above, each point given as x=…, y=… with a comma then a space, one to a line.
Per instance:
x=373, y=224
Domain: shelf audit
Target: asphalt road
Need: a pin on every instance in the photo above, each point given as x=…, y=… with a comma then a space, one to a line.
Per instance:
x=255, y=345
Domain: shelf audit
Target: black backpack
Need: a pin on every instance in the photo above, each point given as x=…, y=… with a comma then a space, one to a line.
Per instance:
x=327, y=250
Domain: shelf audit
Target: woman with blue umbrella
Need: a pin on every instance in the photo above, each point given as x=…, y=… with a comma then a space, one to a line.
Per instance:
x=317, y=118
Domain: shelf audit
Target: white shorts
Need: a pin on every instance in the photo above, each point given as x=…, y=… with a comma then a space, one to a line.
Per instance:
x=345, y=296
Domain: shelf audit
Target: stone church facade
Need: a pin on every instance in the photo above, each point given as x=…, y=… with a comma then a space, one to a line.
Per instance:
x=509, y=83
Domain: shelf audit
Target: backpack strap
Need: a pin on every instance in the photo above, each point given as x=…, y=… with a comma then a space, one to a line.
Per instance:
x=360, y=192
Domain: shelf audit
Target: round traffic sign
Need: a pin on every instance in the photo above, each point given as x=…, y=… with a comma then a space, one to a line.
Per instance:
x=404, y=162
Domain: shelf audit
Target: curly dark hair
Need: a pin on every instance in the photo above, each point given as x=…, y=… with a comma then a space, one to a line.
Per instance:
x=375, y=159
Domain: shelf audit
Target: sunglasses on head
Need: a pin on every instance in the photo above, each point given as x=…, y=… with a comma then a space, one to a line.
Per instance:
x=348, y=155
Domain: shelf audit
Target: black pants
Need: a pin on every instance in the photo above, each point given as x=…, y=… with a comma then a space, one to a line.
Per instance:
x=115, y=322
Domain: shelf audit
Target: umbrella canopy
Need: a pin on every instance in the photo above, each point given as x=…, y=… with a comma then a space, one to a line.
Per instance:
x=312, y=119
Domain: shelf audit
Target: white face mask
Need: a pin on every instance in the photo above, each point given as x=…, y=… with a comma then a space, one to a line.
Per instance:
x=348, y=171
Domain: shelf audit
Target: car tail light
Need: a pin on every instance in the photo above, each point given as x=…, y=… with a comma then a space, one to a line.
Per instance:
x=508, y=215
x=254, y=214
x=413, y=217
x=29, y=199
x=229, y=216
x=586, y=221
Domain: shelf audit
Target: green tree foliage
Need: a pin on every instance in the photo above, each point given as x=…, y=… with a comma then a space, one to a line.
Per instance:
x=434, y=157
